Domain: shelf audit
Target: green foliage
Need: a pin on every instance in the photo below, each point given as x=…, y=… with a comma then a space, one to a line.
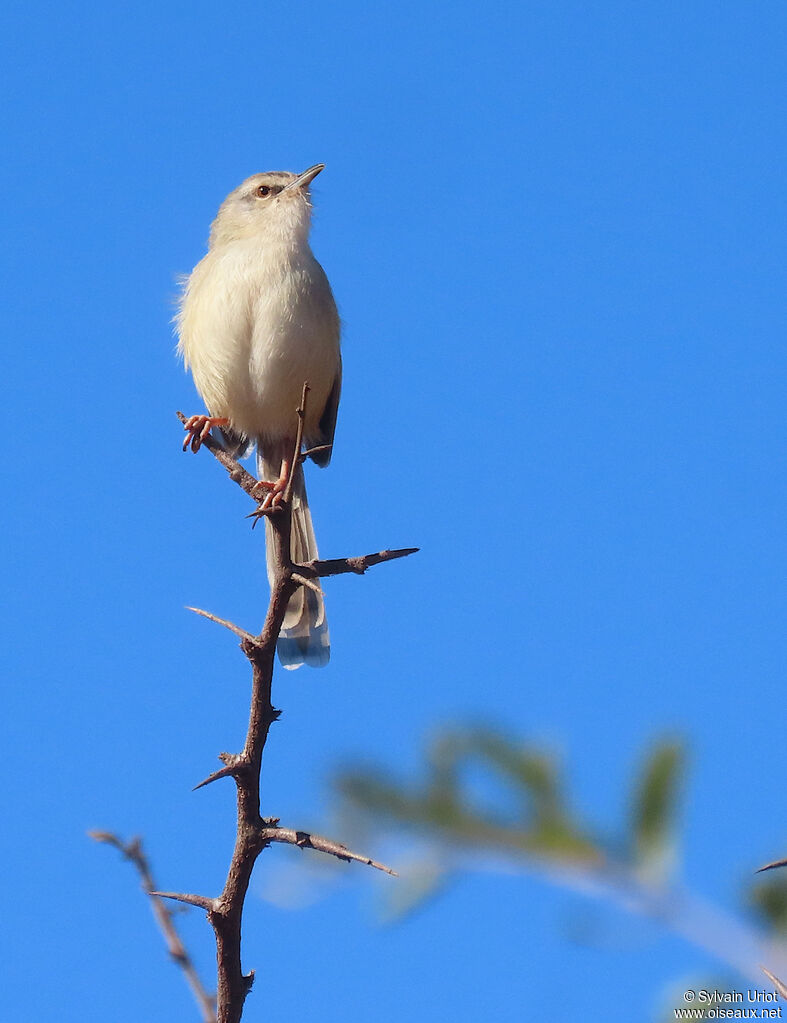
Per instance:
x=768, y=899
x=544, y=825
x=441, y=805
x=654, y=805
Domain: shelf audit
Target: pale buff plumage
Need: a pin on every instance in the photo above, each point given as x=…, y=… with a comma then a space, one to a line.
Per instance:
x=256, y=320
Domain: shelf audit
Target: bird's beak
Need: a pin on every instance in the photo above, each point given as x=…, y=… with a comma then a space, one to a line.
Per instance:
x=304, y=179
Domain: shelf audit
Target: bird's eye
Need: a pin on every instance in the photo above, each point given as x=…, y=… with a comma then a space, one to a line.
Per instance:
x=263, y=191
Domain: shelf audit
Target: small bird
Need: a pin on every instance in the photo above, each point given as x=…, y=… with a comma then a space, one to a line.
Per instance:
x=257, y=320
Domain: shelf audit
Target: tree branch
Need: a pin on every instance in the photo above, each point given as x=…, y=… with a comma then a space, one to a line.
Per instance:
x=305, y=840
x=200, y=901
x=771, y=866
x=254, y=833
x=132, y=851
x=358, y=564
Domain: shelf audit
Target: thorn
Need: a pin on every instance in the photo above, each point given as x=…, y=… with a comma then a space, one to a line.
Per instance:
x=314, y=451
x=305, y=840
x=780, y=987
x=103, y=836
x=201, y=901
x=236, y=629
x=224, y=772
x=233, y=762
x=358, y=564
x=260, y=513
x=303, y=581
x=771, y=866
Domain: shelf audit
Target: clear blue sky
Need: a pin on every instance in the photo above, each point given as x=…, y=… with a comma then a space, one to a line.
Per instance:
x=555, y=231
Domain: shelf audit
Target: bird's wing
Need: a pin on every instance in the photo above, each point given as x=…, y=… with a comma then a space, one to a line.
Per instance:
x=328, y=420
x=233, y=443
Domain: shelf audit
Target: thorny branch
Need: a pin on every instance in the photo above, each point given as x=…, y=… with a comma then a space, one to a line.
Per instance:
x=132, y=850
x=254, y=833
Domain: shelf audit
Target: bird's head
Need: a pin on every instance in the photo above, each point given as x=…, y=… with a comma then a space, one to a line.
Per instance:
x=273, y=205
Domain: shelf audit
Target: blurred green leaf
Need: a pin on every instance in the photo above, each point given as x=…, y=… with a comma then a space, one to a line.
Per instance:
x=531, y=770
x=768, y=899
x=532, y=775
x=654, y=806
x=442, y=805
x=459, y=811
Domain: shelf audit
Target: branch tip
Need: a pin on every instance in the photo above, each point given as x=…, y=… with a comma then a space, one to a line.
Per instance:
x=780, y=987
x=261, y=513
x=303, y=581
x=230, y=771
x=104, y=836
x=358, y=564
x=132, y=851
x=306, y=840
x=287, y=495
x=771, y=866
x=314, y=451
x=236, y=629
x=201, y=901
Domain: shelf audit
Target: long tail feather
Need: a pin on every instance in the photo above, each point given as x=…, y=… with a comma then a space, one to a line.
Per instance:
x=304, y=636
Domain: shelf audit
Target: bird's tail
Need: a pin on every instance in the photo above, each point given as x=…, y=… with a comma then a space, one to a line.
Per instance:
x=304, y=636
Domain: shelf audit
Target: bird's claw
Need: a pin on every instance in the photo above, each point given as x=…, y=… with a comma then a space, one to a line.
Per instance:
x=272, y=499
x=197, y=429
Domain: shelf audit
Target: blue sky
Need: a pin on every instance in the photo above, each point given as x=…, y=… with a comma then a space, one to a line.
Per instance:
x=555, y=232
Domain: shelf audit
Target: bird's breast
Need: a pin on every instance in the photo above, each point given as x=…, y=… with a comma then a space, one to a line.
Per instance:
x=253, y=330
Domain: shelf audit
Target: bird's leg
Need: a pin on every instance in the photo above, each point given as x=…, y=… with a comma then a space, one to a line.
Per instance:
x=276, y=489
x=281, y=483
x=197, y=429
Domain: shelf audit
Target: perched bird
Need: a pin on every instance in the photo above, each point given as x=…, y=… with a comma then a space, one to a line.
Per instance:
x=256, y=321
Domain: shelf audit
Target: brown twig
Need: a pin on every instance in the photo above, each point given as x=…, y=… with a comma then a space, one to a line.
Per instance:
x=296, y=455
x=771, y=866
x=319, y=450
x=132, y=851
x=305, y=840
x=240, y=633
x=358, y=564
x=255, y=833
x=780, y=987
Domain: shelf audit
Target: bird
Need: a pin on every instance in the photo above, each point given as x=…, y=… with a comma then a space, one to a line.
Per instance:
x=257, y=320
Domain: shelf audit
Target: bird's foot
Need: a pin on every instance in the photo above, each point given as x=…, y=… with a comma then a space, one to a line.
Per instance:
x=275, y=494
x=197, y=429
x=268, y=503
